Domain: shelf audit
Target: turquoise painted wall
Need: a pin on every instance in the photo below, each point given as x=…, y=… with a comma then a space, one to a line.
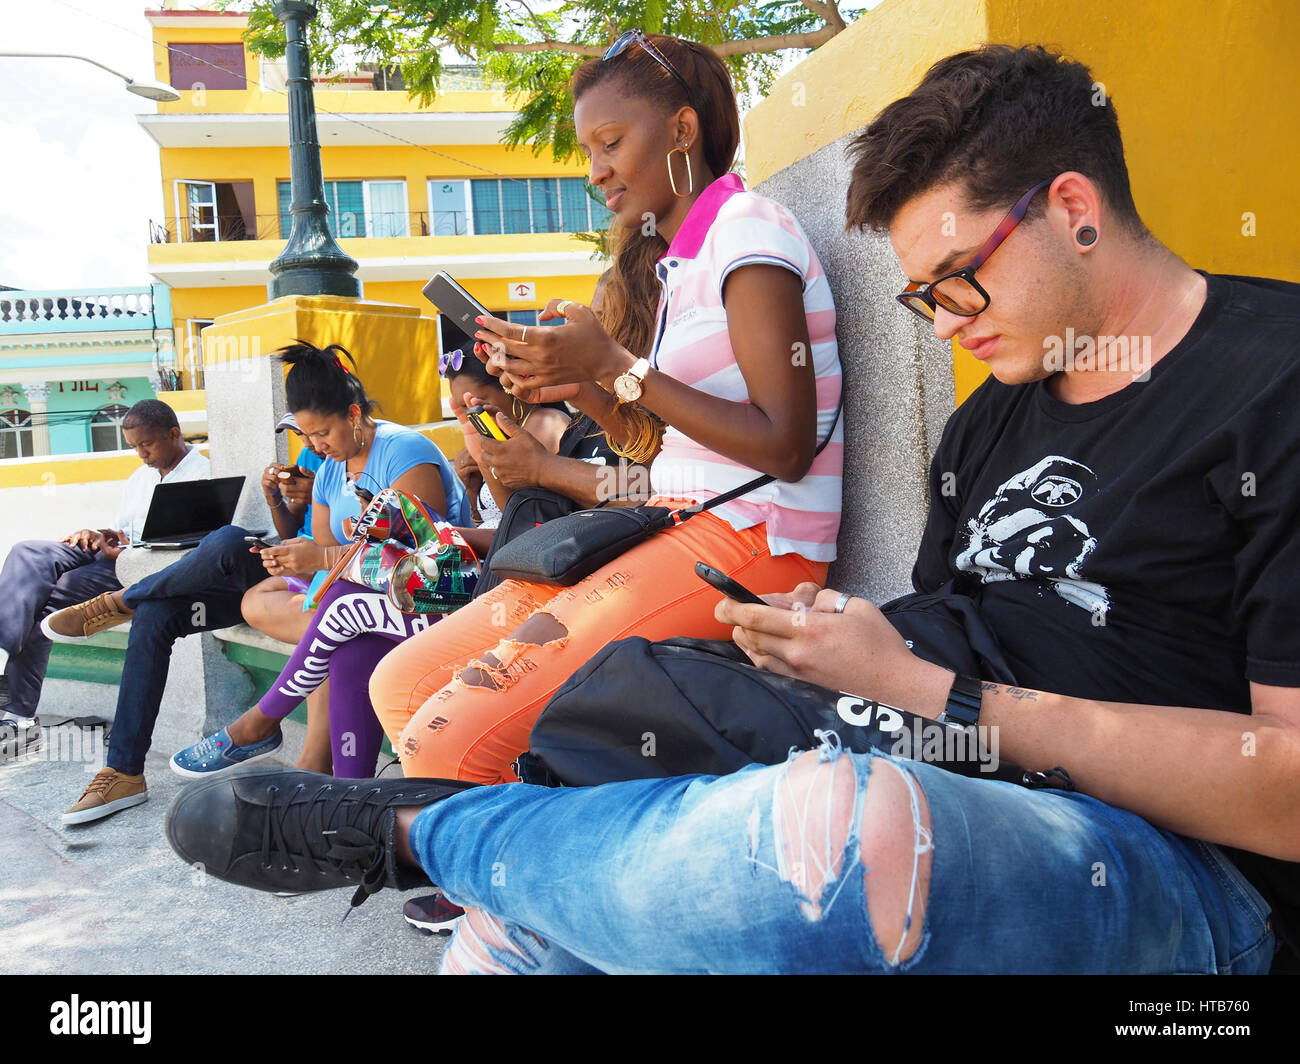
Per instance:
x=74, y=437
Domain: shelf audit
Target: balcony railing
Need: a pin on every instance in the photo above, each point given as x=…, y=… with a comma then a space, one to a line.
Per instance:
x=352, y=225
x=346, y=226
x=82, y=310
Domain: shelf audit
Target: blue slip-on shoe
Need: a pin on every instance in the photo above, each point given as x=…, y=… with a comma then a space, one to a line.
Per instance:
x=217, y=753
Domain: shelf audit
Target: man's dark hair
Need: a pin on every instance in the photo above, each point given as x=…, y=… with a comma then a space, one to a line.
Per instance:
x=151, y=414
x=319, y=381
x=998, y=120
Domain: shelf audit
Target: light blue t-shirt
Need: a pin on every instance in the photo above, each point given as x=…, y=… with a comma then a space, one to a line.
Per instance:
x=396, y=450
x=308, y=461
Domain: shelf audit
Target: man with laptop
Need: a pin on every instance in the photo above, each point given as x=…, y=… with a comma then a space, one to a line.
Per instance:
x=39, y=577
x=199, y=592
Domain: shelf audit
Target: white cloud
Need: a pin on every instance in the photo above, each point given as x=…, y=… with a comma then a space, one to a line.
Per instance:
x=79, y=179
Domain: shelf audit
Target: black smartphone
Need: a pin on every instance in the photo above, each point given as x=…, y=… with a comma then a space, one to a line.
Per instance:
x=453, y=301
x=258, y=542
x=726, y=585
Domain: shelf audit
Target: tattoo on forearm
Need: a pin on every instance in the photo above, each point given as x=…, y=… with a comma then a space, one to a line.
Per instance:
x=1018, y=693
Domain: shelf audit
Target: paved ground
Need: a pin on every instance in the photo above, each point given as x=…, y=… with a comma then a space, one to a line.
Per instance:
x=111, y=897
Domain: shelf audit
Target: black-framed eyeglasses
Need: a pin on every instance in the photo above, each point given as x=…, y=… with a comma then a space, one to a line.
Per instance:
x=958, y=292
x=638, y=36
x=450, y=360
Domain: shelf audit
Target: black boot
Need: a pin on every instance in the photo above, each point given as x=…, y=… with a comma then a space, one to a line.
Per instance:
x=280, y=829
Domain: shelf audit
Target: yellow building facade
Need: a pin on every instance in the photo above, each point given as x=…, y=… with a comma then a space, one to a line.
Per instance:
x=412, y=190
x=1207, y=98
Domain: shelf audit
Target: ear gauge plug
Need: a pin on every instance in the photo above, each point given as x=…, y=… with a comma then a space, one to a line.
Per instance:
x=1086, y=235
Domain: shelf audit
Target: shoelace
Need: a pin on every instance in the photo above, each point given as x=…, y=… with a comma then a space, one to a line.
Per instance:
x=207, y=747
x=102, y=781
x=99, y=606
x=353, y=850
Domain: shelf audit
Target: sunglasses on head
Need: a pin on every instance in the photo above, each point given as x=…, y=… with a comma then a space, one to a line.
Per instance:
x=450, y=360
x=637, y=36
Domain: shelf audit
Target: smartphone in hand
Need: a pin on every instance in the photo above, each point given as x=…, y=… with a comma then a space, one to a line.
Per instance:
x=457, y=304
x=726, y=585
x=257, y=541
x=484, y=424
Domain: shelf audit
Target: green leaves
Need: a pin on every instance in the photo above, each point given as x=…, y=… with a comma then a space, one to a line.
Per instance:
x=532, y=52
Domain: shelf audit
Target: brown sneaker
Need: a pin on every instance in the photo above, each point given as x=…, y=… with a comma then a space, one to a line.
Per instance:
x=109, y=792
x=75, y=623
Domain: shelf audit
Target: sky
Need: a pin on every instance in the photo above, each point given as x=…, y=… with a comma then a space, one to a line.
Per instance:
x=79, y=181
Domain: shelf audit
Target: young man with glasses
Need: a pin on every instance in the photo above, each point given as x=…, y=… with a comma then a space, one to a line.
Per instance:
x=1127, y=533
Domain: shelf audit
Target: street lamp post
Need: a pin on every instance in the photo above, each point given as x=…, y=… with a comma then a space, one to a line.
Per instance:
x=311, y=263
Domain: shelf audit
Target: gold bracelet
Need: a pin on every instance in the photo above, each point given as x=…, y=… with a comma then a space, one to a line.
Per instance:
x=647, y=435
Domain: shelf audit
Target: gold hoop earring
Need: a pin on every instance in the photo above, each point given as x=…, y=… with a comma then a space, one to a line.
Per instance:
x=516, y=409
x=690, y=178
x=356, y=433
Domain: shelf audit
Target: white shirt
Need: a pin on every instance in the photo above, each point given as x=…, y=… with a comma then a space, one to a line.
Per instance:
x=137, y=493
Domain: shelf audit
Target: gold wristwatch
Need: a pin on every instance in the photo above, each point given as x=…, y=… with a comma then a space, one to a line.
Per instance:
x=627, y=386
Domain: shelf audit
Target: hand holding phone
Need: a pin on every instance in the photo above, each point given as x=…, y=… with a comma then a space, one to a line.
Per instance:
x=726, y=585
x=484, y=424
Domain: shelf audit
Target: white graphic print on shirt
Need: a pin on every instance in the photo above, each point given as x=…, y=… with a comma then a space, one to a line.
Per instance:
x=1023, y=532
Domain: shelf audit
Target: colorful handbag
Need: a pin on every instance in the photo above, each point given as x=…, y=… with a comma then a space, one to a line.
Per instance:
x=400, y=548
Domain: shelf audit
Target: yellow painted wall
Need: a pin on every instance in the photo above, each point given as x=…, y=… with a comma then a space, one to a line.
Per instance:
x=253, y=100
x=265, y=167
x=1207, y=96
x=204, y=303
x=59, y=470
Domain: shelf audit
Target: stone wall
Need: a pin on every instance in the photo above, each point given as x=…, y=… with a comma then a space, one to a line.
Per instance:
x=898, y=381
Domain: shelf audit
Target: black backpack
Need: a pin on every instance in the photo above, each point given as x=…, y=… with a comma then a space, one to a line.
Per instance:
x=642, y=710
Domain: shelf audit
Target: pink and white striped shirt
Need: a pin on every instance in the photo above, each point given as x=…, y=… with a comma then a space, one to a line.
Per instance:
x=727, y=228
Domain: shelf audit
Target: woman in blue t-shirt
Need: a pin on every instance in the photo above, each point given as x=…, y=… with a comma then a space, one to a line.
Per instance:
x=335, y=417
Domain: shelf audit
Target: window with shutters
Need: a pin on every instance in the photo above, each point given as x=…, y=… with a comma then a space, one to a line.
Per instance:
x=206, y=66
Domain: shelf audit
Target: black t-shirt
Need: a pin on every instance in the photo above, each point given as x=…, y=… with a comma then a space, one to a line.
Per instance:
x=1144, y=547
x=585, y=441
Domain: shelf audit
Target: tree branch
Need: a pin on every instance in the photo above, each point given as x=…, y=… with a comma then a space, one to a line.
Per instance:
x=771, y=44
x=815, y=39
x=551, y=46
x=827, y=10
x=537, y=22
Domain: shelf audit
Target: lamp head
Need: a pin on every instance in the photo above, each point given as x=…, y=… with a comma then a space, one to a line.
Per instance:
x=153, y=90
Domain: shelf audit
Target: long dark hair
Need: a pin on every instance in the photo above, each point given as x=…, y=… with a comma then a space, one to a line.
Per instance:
x=632, y=291
x=319, y=381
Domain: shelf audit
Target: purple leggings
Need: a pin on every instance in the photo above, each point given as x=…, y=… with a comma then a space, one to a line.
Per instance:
x=353, y=628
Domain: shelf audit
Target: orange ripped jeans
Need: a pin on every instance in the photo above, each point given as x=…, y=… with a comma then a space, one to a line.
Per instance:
x=459, y=699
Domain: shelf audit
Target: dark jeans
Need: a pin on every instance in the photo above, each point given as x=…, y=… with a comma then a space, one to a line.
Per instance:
x=198, y=593
x=38, y=578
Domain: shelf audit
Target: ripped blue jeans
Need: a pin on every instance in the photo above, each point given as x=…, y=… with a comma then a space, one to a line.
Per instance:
x=831, y=862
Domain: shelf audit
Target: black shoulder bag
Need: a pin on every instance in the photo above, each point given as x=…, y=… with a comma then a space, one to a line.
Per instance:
x=564, y=551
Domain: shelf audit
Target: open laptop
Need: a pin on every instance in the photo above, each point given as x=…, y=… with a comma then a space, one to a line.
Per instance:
x=182, y=513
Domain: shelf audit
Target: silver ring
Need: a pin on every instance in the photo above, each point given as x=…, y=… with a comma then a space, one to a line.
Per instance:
x=523, y=336
x=842, y=601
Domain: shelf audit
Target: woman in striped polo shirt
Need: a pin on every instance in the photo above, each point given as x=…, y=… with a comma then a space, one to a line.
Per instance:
x=742, y=368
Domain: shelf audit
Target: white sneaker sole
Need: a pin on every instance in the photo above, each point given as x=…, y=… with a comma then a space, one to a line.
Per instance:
x=59, y=637
x=431, y=928
x=190, y=774
x=101, y=811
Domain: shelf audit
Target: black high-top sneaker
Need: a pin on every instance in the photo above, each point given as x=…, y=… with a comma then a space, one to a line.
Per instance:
x=277, y=829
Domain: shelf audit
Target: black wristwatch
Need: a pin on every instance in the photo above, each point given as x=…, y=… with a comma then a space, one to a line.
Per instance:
x=963, y=708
